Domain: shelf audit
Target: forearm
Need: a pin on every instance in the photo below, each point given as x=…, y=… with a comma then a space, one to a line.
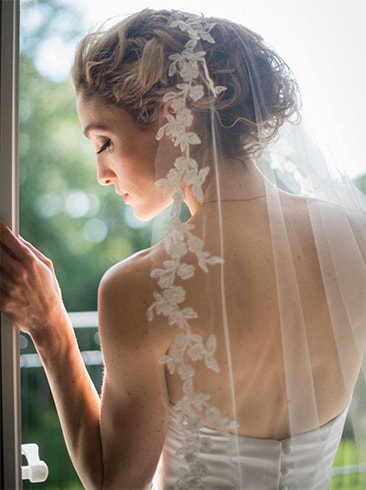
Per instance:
x=77, y=401
x=31, y=297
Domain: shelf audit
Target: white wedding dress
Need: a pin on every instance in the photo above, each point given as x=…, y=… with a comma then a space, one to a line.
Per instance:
x=302, y=462
x=315, y=228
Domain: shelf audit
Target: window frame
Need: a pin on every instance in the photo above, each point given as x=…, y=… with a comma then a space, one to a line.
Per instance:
x=10, y=417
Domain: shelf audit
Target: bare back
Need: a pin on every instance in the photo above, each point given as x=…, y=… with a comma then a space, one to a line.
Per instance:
x=254, y=318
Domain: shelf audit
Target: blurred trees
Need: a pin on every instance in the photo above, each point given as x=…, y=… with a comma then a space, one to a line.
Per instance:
x=82, y=227
x=63, y=211
x=360, y=182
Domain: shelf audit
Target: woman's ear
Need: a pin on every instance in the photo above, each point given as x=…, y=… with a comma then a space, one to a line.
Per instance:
x=169, y=109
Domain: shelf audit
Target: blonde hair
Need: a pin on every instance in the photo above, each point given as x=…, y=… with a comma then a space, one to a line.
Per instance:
x=127, y=65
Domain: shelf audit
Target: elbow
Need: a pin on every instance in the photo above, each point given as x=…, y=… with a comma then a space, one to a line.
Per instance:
x=125, y=485
x=92, y=482
x=91, y=477
x=128, y=480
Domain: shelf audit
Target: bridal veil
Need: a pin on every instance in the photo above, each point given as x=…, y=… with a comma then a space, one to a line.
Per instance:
x=231, y=112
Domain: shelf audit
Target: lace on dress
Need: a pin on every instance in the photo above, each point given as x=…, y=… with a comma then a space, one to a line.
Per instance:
x=293, y=164
x=179, y=240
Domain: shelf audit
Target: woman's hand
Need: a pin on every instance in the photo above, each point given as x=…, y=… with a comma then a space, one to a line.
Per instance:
x=29, y=292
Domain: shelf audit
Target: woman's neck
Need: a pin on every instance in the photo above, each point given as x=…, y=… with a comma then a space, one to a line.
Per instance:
x=233, y=181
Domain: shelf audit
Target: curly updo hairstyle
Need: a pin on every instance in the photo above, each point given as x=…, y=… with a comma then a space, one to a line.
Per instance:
x=127, y=65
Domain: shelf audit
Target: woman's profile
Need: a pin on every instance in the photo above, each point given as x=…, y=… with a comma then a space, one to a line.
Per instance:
x=232, y=346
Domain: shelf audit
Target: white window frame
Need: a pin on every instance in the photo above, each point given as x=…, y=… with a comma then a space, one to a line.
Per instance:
x=10, y=420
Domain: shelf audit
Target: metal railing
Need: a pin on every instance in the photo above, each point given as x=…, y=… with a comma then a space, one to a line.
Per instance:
x=93, y=357
x=80, y=320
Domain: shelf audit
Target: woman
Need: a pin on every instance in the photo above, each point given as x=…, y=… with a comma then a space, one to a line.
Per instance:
x=232, y=346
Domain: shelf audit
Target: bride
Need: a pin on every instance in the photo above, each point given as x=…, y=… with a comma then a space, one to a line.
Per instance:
x=233, y=345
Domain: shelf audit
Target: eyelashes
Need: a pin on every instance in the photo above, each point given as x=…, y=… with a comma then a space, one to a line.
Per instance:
x=106, y=145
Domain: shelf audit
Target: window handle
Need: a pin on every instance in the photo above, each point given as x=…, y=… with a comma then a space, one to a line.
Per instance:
x=37, y=470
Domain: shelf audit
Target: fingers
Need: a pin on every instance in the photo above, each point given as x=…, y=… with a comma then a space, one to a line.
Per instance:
x=29, y=291
x=36, y=252
x=15, y=264
x=12, y=245
x=10, y=264
x=19, y=249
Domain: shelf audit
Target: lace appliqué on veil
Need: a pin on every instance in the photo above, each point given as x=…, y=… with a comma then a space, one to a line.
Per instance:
x=179, y=240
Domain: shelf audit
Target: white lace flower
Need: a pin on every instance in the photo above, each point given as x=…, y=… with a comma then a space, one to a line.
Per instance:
x=186, y=371
x=212, y=414
x=198, y=400
x=212, y=364
x=176, y=126
x=186, y=165
x=180, y=230
x=195, y=244
x=185, y=271
x=174, y=295
x=184, y=141
x=170, y=182
x=196, y=351
x=196, y=93
x=196, y=182
x=193, y=423
x=179, y=317
x=178, y=240
x=211, y=344
x=187, y=386
x=178, y=104
x=169, y=362
x=176, y=250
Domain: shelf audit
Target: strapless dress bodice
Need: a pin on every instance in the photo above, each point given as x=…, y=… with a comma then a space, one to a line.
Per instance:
x=302, y=462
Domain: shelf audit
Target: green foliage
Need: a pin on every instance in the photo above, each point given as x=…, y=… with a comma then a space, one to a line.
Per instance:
x=360, y=182
x=40, y=421
x=63, y=211
x=347, y=457
x=82, y=227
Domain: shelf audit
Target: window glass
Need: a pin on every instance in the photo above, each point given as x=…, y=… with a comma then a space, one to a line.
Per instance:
x=79, y=225
x=82, y=227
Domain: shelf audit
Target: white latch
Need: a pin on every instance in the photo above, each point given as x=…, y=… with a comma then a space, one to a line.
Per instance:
x=37, y=470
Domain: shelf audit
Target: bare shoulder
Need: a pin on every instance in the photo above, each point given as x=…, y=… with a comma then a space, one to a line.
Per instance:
x=129, y=271
x=130, y=279
x=337, y=219
x=334, y=229
x=124, y=290
x=124, y=295
x=323, y=227
x=331, y=214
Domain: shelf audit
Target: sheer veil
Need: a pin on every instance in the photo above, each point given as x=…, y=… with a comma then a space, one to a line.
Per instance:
x=259, y=288
x=330, y=323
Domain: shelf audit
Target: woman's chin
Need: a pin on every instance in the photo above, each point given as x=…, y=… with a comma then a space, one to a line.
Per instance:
x=145, y=215
x=148, y=212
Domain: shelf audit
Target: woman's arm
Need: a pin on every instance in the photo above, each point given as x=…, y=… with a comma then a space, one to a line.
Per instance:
x=77, y=402
x=31, y=297
x=114, y=443
x=135, y=402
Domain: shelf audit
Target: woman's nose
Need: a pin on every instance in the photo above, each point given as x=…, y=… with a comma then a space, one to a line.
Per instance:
x=105, y=176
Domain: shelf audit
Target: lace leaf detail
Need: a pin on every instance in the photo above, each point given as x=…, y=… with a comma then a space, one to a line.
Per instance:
x=185, y=271
x=181, y=245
